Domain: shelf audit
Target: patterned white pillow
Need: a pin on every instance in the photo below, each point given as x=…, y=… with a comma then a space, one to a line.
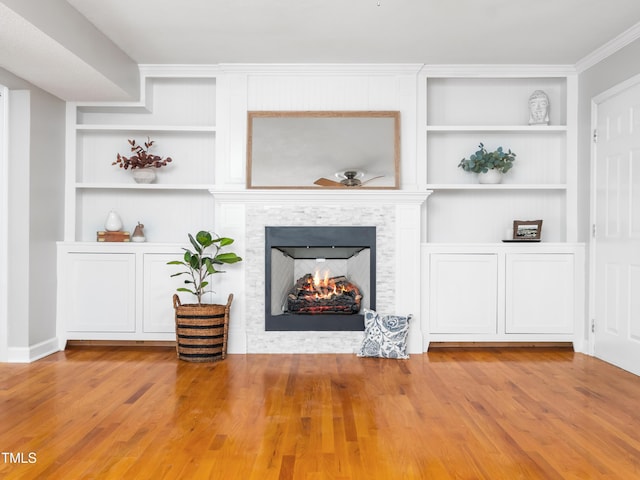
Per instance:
x=385, y=336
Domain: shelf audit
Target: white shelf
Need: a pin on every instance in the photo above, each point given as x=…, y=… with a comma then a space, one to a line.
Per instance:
x=497, y=128
x=149, y=128
x=500, y=186
x=461, y=111
x=141, y=186
x=147, y=247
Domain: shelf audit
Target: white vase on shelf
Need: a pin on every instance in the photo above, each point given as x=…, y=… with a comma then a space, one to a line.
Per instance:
x=144, y=175
x=492, y=177
x=113, y=222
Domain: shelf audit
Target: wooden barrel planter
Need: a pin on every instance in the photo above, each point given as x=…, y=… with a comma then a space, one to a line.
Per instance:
x=201, y=330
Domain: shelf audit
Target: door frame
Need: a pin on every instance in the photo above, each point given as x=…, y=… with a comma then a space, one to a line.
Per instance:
x=4, y=223
x=595, y=102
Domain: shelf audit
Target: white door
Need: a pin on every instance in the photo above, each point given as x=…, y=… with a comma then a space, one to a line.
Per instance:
x=616, y=293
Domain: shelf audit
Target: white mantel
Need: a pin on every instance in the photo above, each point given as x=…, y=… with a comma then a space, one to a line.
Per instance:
x=243, y=214
x=321, y=196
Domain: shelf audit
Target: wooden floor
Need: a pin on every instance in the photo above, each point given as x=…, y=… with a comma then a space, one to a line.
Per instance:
x=138, y=413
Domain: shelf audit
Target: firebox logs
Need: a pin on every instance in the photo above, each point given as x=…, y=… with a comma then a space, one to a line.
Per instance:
x=329, y=295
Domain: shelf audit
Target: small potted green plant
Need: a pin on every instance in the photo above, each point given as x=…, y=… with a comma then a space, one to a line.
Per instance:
x=202, y=329
x=142, y=162
x=488, y=165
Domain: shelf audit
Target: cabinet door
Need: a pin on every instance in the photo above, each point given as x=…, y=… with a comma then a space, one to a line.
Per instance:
x=101, y=292
x=463, y=293
x=539, y=293
x=158, y=288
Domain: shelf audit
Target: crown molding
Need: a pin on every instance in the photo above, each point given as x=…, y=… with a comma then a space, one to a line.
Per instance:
x=178, y=70
x=609, y=48
x=322, y=68
x=497, y=70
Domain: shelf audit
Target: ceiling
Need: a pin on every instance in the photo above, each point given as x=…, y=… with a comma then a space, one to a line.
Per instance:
x=360, y=31
x=558, y=32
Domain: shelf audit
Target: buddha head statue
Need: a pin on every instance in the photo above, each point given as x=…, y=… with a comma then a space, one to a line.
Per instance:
x=538, y=108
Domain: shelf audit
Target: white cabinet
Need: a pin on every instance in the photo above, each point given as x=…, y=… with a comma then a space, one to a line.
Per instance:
x=473, y=278
x=539, y=291
x=503, y=293
x=157, y=291
x=100, y=292
x=122, y=293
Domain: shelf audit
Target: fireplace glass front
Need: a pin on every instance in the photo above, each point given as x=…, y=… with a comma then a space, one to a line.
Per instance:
x=319, y=278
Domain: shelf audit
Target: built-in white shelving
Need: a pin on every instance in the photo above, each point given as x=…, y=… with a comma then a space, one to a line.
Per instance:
x=496, y=128
x=179, y=114
x=501, y=186
x=515, y=292
x=148, y=128
x=153, y=186
x=463, y=110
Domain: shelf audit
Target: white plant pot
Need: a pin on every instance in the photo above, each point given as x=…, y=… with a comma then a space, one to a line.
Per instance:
x=144, y=175
x=491, y=177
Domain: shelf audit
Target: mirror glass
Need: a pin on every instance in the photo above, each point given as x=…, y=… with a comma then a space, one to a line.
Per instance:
x=328, y=149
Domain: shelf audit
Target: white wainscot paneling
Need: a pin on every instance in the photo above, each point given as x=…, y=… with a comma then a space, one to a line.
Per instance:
x=487, y=215
x=151, y=209
x=323, y=92
x=492, y=101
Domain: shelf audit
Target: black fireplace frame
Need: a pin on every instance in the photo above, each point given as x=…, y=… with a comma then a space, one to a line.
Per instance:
x=318, y=237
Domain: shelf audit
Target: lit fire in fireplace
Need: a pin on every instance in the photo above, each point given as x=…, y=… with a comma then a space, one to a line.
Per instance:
x=324, y=287
x=316, y=294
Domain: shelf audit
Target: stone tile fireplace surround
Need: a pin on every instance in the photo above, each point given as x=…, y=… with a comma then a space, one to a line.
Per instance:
x=396, y=214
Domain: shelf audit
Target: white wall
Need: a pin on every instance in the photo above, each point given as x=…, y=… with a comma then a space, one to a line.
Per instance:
x=4, y=199
x=35, y=217
x=46, y=200
x=18, y=220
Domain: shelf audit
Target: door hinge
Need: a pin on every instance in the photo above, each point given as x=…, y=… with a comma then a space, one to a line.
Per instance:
x=593, y=325
x=593, y=230
x=595, y=135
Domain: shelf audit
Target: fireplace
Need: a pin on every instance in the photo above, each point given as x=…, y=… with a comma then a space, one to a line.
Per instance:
x=319, y=278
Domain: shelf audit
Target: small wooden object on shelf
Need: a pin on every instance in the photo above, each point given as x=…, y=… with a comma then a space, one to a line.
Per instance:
x=120, y=236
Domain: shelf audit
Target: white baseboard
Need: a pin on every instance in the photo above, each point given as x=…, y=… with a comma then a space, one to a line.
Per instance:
x=33, y=352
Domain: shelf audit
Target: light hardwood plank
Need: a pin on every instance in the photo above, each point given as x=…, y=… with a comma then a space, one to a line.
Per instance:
x=472, y=413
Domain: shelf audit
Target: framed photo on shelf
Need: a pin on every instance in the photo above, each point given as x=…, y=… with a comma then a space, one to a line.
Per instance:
x=527, y=230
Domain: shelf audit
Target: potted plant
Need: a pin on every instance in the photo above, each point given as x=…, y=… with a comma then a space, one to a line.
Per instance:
x=488, y=165
x=202, y=329
x=142, y=161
